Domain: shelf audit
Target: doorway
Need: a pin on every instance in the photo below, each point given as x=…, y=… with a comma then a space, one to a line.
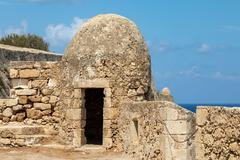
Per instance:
x=94, y=102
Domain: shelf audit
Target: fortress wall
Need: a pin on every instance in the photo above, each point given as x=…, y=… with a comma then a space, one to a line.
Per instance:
x=218, y=135
x=34, y=97
x=11, y=53
x=157, y=130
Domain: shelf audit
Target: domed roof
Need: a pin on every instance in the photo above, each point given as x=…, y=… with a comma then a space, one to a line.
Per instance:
x=107, y=34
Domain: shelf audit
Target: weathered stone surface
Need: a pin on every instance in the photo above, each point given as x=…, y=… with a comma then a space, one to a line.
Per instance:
x=22, y=99
x=17, y=108
x=13, y=73
x=76, y=114
x=35, y=98
x=218, y=133
x=47, y=91
x=34, y=114
x=20, y=116
x=8, y=112
x=38, y=83
x=26, y=92
x=8, y=102
x=42, y=106
x=53, y=99
x=29, y=73
x=45, y=99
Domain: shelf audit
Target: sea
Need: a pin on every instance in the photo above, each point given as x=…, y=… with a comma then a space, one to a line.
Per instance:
x=192, y=107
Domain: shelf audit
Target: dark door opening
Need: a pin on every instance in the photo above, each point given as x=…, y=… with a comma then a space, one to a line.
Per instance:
x=94, y=120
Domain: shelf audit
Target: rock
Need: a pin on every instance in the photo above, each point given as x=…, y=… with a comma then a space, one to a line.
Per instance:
x=7, y=134
x=42, y=106
x=35, y=98
x=13, y=73
x=38, y=83
x=27, y=106
x=17, y=108
x=29, y=73
x=8, y=102
x=34, y=114
x=47, y=91
x=53, y=99
x=166, y=91
x=22, y=99
x=46, y=112
x=45, y=99
x=25, y=92
x=20, y=116
x=6, y=119
x=8, y=112
x=13, y=118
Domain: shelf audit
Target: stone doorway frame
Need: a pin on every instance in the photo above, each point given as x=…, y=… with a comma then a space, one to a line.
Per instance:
x=79, y=110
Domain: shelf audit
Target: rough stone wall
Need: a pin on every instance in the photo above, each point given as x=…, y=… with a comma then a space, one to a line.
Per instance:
x=34, y=96
x=11, y=53
x=218, y=135
x=157, y=130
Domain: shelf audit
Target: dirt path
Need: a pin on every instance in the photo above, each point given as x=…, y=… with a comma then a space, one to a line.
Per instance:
x=56, y=154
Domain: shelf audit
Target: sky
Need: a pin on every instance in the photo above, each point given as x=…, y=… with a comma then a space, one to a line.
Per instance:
x=194, y=45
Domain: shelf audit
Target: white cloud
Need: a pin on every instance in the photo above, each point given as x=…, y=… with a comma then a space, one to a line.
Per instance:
x=60, y=34
x=17, y=30
x=193, y=72
x=204, y=48
x=220, y=75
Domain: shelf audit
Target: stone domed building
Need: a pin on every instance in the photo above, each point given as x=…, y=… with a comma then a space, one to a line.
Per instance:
x=108, y=63
x=100, y=95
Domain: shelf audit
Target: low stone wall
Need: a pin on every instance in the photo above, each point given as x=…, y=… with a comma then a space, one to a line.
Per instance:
x=218, y=135
x=11, y=53
x=157, y=130
x=34, y=97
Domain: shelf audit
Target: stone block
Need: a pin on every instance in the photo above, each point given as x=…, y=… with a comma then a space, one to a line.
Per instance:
x=20, y=83
x=107, y=102
x=42, y=106
x=201, y=116
x=77, y=103
x=172, y=113
x=53, y=99
x=17, y=108
x=110, y=113
x=35, y=98
x=95, y=83
x=22, y=99
x=177, y=127
x=79, y=137
x=13, y=73
x=107, y=92
x=107, y=142
x=45, y=99
x=29, y=73
x=38, y=83
x=76, y=114
x=34, y=114
x=20, y=116
x=47, y=92
x=8, y=112
x=79, y=93
x=46, y=112
x=107, y=133
x=25, y=92
x=8, y=102
x=5, y=141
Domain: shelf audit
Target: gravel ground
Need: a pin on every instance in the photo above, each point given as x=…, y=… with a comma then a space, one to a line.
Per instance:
x=56, y=154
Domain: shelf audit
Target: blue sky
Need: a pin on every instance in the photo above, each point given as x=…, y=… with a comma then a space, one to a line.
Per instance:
x=194, y=45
